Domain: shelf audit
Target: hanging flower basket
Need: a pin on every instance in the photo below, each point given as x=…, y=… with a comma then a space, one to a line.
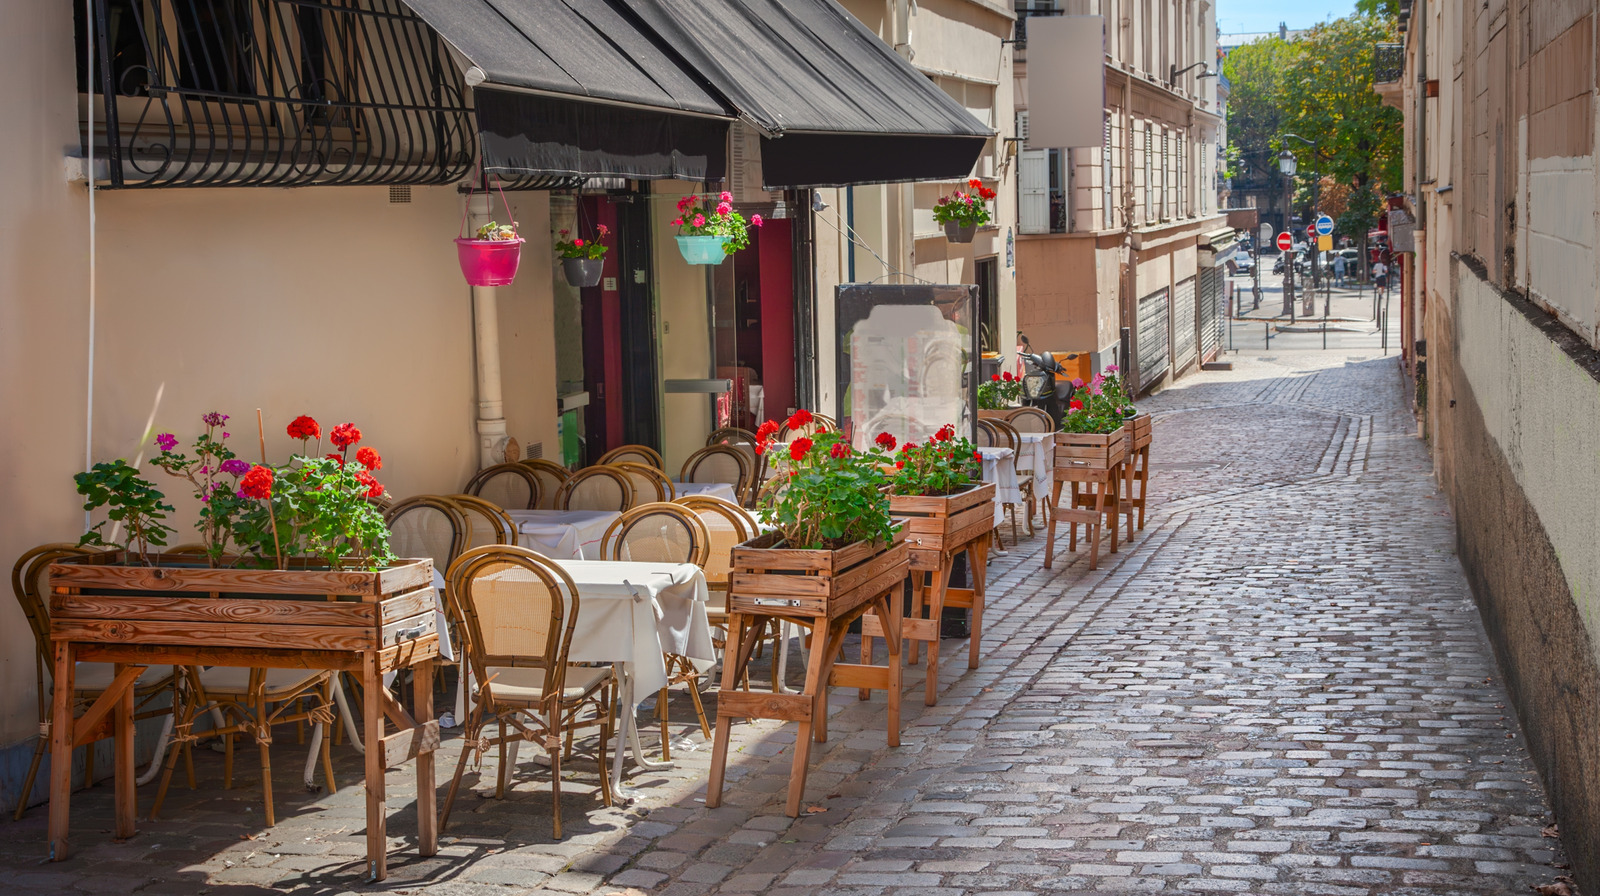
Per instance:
x=583, y=272
x=959, y=233
x=489, y=262
x=702, y=249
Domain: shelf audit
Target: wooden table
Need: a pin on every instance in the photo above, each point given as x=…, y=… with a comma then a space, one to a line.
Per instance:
x=824, y=591
x=365, y=623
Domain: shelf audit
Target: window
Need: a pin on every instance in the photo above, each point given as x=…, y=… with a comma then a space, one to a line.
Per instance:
x=216, y=46
x=1166, y=177
x=1106, y=152
x=125, y=45
x=1183, y=185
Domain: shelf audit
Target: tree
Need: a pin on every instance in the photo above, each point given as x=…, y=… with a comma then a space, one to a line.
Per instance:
x=1256, y=102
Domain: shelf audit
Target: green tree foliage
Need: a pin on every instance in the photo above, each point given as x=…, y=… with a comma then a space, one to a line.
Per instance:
x=1319, y=87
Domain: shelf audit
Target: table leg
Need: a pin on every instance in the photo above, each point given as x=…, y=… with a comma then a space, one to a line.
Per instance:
x=61, y=751
x=377, y=810
x=630, y=730
x=124, y=777
x=427, y=789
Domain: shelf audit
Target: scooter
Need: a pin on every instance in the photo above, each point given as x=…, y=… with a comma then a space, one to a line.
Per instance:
x=1046, y=385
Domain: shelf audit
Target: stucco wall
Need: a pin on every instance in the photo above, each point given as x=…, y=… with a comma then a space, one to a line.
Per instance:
x=682, y=326
x=1516, y=432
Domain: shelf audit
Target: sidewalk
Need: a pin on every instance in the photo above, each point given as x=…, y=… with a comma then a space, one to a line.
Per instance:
x=1280, y=687
x=1351, y=307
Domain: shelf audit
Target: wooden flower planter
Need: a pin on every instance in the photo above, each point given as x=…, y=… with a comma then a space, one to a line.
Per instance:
x=367, y=623
x=1136, y=476
x=1093, y=464
x=938, y=529
x=825, y=591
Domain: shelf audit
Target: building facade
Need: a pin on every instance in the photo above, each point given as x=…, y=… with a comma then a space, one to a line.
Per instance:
x=1118, y=246
x=1497, y=241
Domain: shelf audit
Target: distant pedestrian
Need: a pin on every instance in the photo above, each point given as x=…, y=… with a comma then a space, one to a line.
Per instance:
x=1380, y=275
x=1339, y=265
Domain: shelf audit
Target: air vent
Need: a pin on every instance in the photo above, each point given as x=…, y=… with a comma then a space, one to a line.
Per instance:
x=535, y=451
x=399, y=194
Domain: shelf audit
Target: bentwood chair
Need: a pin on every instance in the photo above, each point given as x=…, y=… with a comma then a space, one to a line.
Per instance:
x=517, y=611
x=506, y=485
x=649, y=483
x=486, y=522
x=550, y=475
x=720, y=463
x=435, y=527
x=30, y=581
x=744, y=441
x=1010, y=438
x=636, y=454
x=663, y=533
x=596, y=488
x=728, y=525
x=1031, y=420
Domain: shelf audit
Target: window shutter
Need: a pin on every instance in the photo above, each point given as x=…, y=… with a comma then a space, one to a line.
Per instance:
x=1033, y=191
x=1022, y=127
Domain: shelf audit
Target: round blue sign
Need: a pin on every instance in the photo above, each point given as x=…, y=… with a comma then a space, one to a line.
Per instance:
x=1324, y=225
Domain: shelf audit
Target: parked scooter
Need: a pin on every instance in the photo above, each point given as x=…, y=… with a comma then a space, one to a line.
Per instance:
x=1046, y=385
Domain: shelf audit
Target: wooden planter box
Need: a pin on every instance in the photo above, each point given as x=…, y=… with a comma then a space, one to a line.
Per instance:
x=1139, y=431
x=1091, y=451
x=934, y=523
x=365, y=623
x=770, y=580
x=391, y=610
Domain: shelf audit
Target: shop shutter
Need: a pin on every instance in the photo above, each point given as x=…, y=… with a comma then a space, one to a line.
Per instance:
x=1033, y=191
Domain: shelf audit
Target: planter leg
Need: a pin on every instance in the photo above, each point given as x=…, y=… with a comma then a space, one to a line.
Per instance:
x=978, y=560
x=61, y=751
x=732, y=668
x=888, y=610
x=941, y=584
x=124, y=776
x=1050, y=530
x=816, y=683
x=919, y=587
x=427, y=789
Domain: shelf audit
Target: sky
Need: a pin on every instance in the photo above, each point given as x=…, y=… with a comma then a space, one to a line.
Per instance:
x=1235, y=16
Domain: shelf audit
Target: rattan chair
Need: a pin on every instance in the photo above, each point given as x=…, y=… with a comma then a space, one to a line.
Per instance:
x=507, y=486
x=1013, y=439
x=731, y=435
x=30, y=582
x=649, y=483
x=596, y=488
x=427, y=526
x=727, y=525
x=663, y=533
x=517, y=611
x=744, y=441
x=635, y=454
x=551, y=475
x=721, y=463
x=1031, y=420
x=988, y=436
x=486, y=523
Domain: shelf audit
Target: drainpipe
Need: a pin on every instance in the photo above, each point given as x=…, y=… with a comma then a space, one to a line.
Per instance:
x=906, y=257
x=486, y=342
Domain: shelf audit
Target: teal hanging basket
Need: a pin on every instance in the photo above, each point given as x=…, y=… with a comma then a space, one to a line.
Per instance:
x=702, y=249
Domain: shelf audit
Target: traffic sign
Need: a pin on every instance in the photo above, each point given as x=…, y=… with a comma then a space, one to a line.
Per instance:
x=1285, y=241
x=1324, y=225
x=1266, y=233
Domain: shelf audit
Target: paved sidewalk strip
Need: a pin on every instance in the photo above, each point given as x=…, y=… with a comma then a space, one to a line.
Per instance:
x=1280, y=687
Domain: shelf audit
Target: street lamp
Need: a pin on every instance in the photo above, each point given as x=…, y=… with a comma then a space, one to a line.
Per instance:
x=1287, y=163
x=1173, y=72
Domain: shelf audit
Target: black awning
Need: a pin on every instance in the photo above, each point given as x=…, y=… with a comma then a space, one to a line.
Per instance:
x=580, y=88
x=838, y=105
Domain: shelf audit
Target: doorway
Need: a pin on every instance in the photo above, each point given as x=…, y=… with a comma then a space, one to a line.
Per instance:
x=618, y=320
x=753, y=322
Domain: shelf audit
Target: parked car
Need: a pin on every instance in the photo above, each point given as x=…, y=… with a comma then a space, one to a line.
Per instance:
x=1242, y=262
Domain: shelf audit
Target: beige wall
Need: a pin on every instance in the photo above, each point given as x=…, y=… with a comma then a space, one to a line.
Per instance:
x=682, y=326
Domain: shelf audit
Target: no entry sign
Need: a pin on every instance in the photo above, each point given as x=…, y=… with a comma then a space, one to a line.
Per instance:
x=1285, y=241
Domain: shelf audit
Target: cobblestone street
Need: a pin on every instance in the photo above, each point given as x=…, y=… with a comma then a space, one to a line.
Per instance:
x=1280, y=687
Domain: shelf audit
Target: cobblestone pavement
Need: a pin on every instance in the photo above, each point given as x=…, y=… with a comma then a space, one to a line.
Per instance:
x=1280, y=688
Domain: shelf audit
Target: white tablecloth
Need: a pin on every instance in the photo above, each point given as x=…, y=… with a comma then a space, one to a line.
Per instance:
x=563, y=534
x=999, y=469
x=715, y=489
x=1038, y=453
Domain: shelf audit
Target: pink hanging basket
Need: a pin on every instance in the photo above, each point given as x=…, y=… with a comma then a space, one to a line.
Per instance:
x=489, y=262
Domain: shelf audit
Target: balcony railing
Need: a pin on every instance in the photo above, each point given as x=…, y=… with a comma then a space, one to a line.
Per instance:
x=1026, y=11
x=1388, y=63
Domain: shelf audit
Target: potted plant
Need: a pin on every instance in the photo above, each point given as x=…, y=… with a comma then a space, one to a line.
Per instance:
x=708, y=233
x=1000, y=396
x=583, y=261
x=491, y=257
x=963, y=212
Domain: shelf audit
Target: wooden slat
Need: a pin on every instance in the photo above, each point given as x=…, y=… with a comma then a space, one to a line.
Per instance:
x=959, y=597
x=867, y=571
x=1087, y=439
x=852, y=601
x=759, y=705
x=209, y=610
x=214, y=635
x=853, y=675
x=161, y=655
x=404, y=656
x=101, y=730
x=410, y=743
x=96, y=573
x=413, y=628
x=755, y=584
x=104, y=703
x=408, y=604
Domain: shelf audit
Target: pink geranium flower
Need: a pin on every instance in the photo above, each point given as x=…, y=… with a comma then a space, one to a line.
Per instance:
x=755, y=220
x=699, y=220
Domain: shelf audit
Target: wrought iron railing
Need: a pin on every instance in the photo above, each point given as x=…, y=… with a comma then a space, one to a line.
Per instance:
x=1026, y=11
x=1388, y=63
x=234, y=93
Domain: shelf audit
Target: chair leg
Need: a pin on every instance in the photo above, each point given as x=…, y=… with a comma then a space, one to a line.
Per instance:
x=500, y=780
x=327, y=736
x=1050, y=527
x=264, y=745
x=555, y=774
x=227, y=761
x=661, y=716
x=469, y=736
x=33, y=770
x=699, y=710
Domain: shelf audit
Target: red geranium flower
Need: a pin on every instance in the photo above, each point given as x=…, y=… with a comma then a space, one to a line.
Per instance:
x=762, y=445
x=799, y=447
x=1075, y=405
x=974, y=183
x=344, y=435
x=767, y=430
x=338, y=459
x=907, y=447
x=899, y=465
x=839, y=450
x=977, y=455
x=303, y=428
x=945, y=433
x=257, y=483
x=995, y=377
x=1007, y=376
x=374, y=487
x=370, y=459
x=800, y=418
x=885, y=441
